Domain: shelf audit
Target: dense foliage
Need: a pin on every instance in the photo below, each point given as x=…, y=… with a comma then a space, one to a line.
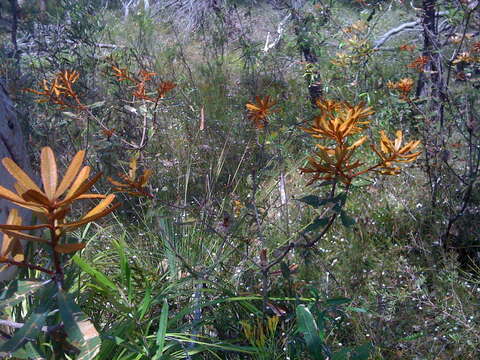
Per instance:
x=298, y=180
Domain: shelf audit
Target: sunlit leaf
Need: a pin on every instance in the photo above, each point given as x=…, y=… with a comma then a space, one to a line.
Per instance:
x=71, y=173
x=48, y=167
x=19, y=174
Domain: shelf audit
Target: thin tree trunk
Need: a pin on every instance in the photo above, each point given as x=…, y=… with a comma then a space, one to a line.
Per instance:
x=315, y=86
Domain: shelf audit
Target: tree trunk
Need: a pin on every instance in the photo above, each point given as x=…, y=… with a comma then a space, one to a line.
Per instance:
x=315, y=86
x=12, y=145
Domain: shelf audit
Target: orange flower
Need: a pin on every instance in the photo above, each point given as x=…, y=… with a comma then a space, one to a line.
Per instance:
x=132, y=185
x=404, y=86
x=339, y=120
x=163, y=88
x=108, y=133
x=393, y=151
x=60, y=91
x=146, y=75
x=258, y=112
x=407, y=47
x=476, y=47
x=419, y=63
x=121, y=73
x=53, y=203
x=140, y=92
x=464, y=57
x=11, y=248
x=335, y=164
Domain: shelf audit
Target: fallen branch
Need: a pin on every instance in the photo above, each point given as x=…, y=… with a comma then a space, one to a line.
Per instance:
x=280, y=30
x=409, y=26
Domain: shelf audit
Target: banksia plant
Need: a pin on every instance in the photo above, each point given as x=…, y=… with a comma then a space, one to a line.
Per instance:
x=52, y=205
x=403, y=86
x=59, y=91
x=258, y=112
x=142, y=88
x=132, y=184
x=341, y=125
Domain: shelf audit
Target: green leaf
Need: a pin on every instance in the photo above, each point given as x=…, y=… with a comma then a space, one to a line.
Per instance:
x=356, y=309
x=29, y=352
x=80, y=331
x=99, y=277
x=337, y=301
x=124, y=267
x=28, y=332
x=145, y=304
x=314, y=201
x=317, y=223
x=18, y=290
x=96, y=105
x=308, y=328
x=162, y=330
x=346, y=220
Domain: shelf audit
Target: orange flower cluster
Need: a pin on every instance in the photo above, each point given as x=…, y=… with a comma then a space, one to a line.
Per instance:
x=357, y=27
x=407, y=47
x=340, y=122
x=132, y=185
x=141, y=85
x=419, y=63
x=465, y=57
x=259, y=111
x=476, y=47
x=404, y=86
x=60, y=91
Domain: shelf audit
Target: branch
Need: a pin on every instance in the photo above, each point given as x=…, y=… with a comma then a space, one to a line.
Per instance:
x=45, y=329
x=280, y=30
x=409, y=26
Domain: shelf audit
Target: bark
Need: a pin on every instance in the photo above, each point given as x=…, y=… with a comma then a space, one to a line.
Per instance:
x=12, y=145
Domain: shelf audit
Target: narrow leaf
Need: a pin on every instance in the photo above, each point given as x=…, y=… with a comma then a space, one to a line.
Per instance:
x=69, y=248
x=99, y=277
x=317, y=223
x=81, y=178
x=20, y=235
x=28, y=332
x=36, y=197
x=48, y=167
x=308, y=328
x=80, y=331
x=73, y=225
x=100, y=207
x=162, y=330
x=19, y=174
x=18, y=290
x=346, y=220
x=71, y=172
x=313, y=200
